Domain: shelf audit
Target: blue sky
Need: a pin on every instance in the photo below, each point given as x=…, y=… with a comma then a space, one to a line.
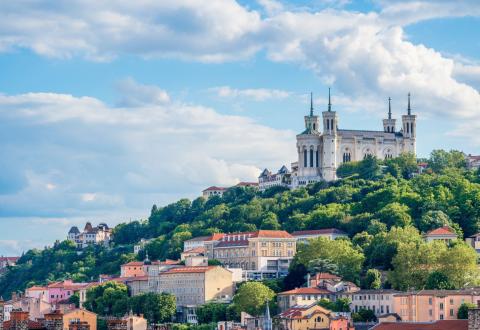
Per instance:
x=108, y=108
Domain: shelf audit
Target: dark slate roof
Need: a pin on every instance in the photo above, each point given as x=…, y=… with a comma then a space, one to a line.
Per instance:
x=74, y=230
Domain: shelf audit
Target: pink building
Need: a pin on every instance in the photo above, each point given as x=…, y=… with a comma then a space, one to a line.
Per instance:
x=61, y=291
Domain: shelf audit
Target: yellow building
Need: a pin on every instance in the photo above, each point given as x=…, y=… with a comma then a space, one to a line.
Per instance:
x=264, y=253
x=301, y=297
x=79, y=316
x=310, y=317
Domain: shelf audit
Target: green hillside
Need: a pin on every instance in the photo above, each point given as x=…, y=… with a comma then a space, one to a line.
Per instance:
x=382, y=206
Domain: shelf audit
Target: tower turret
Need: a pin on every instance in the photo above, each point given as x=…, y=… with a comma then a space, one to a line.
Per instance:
x=409, y=129
x=389, y=123
x=330, y=123
x=311, y=121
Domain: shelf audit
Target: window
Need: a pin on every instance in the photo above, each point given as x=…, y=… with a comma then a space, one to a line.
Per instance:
x=430, y=312
x=429, y=301
x=451, y=301
x=347, y=157
x=304, y=158
x=316, y=158
x=451, y=312
x=311, y=157
x=441, y=316
x=328, y=124
x=441, y=306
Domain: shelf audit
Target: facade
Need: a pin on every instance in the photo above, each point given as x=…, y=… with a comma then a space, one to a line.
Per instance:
x=303, y=236
x=332, y=283
x=268, y=179
x=379, y=301
x=474, y=241
x=128, y=322
x=433, y=305
x=213, y=191
x=437, y=325
x=90, y=235
x=7, y=262
x=79, y=318
x=444, y=233
x=196, y=242
x=20, y=320
x=63, y=290
x=260, y=254
x=473, y=162
x=323, y=146
x=311, y=317
x=301, y=297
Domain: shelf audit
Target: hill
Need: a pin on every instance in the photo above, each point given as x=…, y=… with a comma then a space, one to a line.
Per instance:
x=376, y=203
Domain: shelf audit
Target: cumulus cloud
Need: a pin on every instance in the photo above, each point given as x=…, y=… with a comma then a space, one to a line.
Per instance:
x=256, y=94
x=78, y=155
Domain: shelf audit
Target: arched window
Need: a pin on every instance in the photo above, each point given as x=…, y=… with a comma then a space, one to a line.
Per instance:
x=316, y=158
x=331, y=125
x=304, y=158
x=346, y=157
x=314, y=126
x=408, y=128
x=328, y=124
x=311, y=157
x=411, y=128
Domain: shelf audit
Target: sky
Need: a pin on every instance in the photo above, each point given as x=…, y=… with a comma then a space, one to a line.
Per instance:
x=107, y=108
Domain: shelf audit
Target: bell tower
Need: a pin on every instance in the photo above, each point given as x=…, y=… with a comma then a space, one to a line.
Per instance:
x=389, y=123
x=409, y=129
x=330, y=126
x=311, y=121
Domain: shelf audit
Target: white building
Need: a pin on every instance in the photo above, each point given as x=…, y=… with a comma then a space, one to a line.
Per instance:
x=323, y=146
x=268, y=179
x=444, y=233
x=213, y=191
x=90, y=235
x=378, y=301
x=303, y=236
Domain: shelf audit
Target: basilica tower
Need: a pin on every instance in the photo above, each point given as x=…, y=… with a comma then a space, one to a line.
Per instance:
x=389, y=123
x=329, y=156
x=409, y=129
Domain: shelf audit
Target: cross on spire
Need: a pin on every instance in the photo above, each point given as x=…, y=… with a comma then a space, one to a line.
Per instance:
x=329, y=100
x=409, y=109
x=311, y=104
x=389, y=108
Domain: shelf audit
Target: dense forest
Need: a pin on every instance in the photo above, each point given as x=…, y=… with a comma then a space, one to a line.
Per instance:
x=384, y=206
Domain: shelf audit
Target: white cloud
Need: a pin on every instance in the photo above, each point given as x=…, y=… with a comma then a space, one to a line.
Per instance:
x=135, y=94
x=256, y=94
x=82, y=157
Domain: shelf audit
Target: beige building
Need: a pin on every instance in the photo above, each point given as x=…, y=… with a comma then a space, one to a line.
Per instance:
x=261, y=254
x=301, y=297
x=379, y=301
x=310, y=318
x=432, y=305
x=79, y=316
x=197, y=285
x=129, y=322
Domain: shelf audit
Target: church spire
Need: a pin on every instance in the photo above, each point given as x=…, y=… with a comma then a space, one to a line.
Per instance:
x=409, y=109
x=329, y=100
x=389, y=108
x=311, y=104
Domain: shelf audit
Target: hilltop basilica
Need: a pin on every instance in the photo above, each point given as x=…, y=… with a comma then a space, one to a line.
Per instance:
x=323, y=146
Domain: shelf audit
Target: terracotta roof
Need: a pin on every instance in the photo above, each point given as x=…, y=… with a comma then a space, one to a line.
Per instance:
x=305, y=291
x=14, y=259
x=437, y=325
x=198, y=239
x=37, y=288
x=296, y=312
x=319, y=232
x=442, y=231
x=133, y=263
x=326, y=276
x=272, y=234
x=215, y=188
x=186, y=270
x=199, y=249
x=216, y=237
x=31, y=325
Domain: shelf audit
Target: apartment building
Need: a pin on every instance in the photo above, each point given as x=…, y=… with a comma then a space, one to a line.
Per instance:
x=260, y=254
x=301, y=297
x=432, y=305
x=378, y=301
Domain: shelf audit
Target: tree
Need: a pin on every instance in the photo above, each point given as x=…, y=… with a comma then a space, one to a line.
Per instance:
x=251, y=298
x=339, y=305
x=441, y=160
x=340, y=252
x=212, y=313
x=462, y=313
x=106, y=298
x=364, y=315
x=75, y=299
x=394, y=214
x=322, y=266
x=270, y=222
x=295, y=277
x=373, y=279
x=437, y=280
x=157, y=308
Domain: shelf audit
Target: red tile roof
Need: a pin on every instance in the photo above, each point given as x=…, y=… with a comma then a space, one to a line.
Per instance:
x=199, y=249
x=438, y=325
x=305, y=291
x=37, y=288
x=326, y=276
x=272, y=234
x=442, y=231
x=319, y=232
x=133, y=264
x=216, y=237
x=215, y=188
x=296, y=312
x=14, y=259
x=186, y=270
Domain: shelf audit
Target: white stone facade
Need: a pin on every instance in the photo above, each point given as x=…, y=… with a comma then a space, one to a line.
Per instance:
x=320, y=153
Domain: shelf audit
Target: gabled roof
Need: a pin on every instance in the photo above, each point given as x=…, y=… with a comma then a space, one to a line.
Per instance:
x=36, y=288
x=272, y=234
x=437, y=325
x=326, y=276
x=296, y=312
x=74, y=230
x=133, y=264
x=215, y=188
x=305, y=291
x=442, y=231
x=326, y=231
x=283, y=170
x=265, y=173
